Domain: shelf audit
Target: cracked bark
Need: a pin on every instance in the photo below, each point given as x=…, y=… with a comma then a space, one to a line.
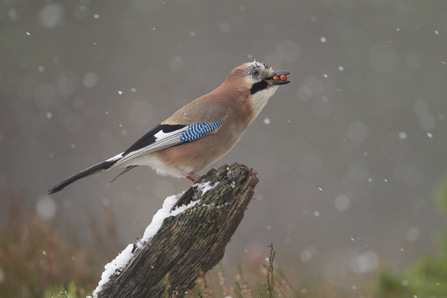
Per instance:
x=188, y=245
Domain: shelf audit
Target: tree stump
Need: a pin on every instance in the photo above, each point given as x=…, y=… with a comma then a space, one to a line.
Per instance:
x=190, y=243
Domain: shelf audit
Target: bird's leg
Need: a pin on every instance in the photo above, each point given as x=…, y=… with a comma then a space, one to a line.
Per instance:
x=193, y=177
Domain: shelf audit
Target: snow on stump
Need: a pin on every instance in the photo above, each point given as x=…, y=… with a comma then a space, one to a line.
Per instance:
x=186, y=238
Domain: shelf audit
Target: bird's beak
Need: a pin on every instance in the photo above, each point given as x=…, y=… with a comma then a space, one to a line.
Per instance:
x=279, y=77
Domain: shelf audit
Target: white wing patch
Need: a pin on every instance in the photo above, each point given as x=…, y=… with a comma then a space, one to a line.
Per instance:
x=116, y=157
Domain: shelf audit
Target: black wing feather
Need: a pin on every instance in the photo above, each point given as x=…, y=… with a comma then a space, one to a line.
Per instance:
x=149, y=138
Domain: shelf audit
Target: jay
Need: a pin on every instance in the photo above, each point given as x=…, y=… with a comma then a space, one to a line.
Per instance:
x=202, y=131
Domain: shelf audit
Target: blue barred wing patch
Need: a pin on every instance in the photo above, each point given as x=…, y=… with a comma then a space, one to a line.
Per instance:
x=196, y=131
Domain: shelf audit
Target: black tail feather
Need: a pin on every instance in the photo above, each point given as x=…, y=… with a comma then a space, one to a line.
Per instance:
x=100, y=167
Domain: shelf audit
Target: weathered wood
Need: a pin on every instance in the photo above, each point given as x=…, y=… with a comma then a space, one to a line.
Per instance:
x=191, y=243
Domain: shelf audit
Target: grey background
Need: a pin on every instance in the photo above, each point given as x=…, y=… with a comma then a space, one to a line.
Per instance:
x=347, y=154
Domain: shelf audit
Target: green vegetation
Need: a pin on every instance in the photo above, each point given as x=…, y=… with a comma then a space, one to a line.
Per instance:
x=71, y=291
x=427, y=277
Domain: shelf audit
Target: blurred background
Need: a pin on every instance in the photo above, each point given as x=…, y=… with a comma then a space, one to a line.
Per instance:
x=347, y=154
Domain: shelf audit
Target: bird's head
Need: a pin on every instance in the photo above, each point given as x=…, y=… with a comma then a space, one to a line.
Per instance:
x=257, y=82
x=261, y=76
x=257, y=77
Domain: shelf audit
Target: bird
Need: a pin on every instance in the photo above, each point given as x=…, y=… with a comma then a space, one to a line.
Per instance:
x=202, y=131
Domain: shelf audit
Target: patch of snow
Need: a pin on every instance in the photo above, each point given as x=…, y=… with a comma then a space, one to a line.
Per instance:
x=204, y=187
x=163, y=213
x=111, y=268
x=183, y=208
x=120, y=262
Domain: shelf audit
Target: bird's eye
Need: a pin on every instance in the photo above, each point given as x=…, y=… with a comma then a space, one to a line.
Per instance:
x=255, y=72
